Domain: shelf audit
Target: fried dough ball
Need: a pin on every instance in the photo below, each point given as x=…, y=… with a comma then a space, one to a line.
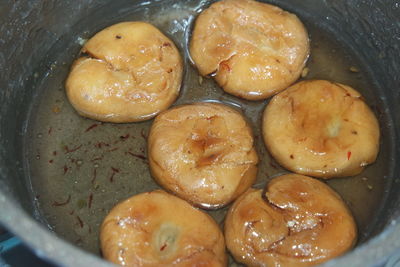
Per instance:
x=322, y=129
x=203, y=152
x=159, y=229
x=254, y=49
x=131, y=72
x=299, y=221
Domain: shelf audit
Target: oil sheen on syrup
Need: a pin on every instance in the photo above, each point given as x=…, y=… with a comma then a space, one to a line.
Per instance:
x=80, y=168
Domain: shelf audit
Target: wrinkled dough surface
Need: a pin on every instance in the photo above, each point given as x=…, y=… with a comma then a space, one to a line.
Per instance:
x=322, y=129
x=203, y=152
x=131, y=72
x=299, y=221
x=254, y=49
x=156, y=228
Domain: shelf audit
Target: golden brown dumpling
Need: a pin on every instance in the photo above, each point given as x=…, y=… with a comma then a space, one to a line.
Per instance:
x=254, y=49
x=299, y=221
x=203, y=152
x=159, y=229
x=131, y=72
x=322, y=129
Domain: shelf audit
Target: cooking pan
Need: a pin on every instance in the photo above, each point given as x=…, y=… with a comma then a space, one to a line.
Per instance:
x=60, y=173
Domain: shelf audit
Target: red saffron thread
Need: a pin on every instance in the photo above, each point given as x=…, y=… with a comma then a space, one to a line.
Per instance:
x=98, y=158
x=90, y=200
x=101, y=144
x=94, y=175
x=137, y=155
x=57, y=204
x=80, y=221
x=91, y=127
x=65, y=169
x=123, y=137
x=114, y=171
x=273, y=165
x=68, y=150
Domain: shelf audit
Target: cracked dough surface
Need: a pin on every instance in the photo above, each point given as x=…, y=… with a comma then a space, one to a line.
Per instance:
x=299, y=221
x=159, y=229
x=322, y=129
x=130, y=72
x=254, y=49
x=203, y=152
